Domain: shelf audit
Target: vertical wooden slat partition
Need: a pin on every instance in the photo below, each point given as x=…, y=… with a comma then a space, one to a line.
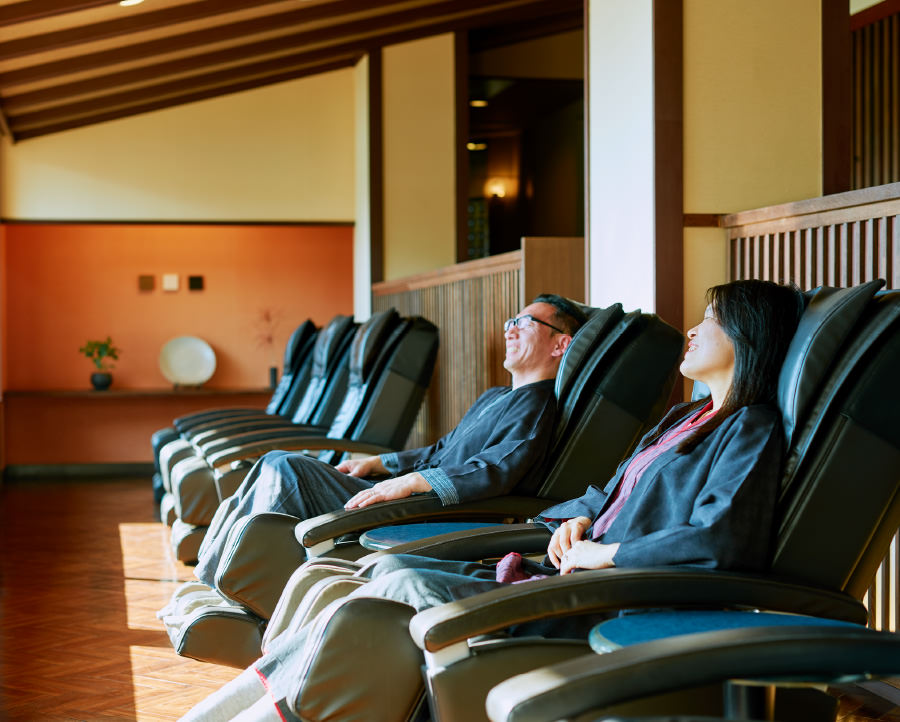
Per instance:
x=469, y=302
x=876, y=102
x=838, y=240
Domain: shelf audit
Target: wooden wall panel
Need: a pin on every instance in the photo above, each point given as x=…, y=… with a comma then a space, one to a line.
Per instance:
x=469, y=310
x=839, y=240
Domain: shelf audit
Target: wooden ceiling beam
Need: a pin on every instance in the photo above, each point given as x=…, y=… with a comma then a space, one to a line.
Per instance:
x=146, y=73
x=21, y=102
x=129, y=23
x=227, y=78
x=186, y=41
x=117, y=113
x=22, y=12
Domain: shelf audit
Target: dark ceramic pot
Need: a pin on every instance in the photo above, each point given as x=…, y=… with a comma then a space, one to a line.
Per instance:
x=101, y=380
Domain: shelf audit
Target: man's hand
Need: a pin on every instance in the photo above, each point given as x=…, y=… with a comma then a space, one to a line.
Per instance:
x=588, y=555
x=365, y=467
x=399, y=488
x=566, y=535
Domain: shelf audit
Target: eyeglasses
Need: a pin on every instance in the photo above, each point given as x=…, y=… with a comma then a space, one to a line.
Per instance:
x=527, y=321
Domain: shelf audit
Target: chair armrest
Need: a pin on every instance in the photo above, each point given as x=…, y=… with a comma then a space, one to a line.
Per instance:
x=189, y=421
x=249, y=424
x=594, y=682
x=256, y=449
x=474, y=544
x=220, y=422
x=614, y=589
x=244, y=437
x=420, y=507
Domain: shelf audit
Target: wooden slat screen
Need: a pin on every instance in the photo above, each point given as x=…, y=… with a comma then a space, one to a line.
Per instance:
x=838, y=240
x=469, y=306
x=876, y=103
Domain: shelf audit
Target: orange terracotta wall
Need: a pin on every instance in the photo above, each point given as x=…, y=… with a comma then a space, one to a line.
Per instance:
x=102, y=428
x=68, y=283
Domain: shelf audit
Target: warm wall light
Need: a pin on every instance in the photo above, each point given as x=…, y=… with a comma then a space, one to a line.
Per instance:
x=495, y=188
x=478, y=103
x=476, y=146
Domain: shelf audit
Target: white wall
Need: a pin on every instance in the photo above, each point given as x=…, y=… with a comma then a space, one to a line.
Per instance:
x=280, y=153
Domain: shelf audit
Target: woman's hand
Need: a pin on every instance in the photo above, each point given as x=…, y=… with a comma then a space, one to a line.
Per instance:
x=588, y=555
x=566, y=535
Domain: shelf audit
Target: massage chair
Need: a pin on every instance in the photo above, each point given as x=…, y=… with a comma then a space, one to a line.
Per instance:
x=389, y=367
x=282, y=401
x=323, y=382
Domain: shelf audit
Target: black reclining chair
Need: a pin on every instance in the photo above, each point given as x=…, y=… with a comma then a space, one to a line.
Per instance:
x=282, y=401
x=300, y=403
x=390, y=365
x=192, y=494
x=838, y=392
x=389, y=374
x=593, y=395
x=672, y=675
x=324, y=383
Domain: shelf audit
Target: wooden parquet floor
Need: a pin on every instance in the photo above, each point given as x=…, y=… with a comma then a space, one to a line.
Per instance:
x=83, y=569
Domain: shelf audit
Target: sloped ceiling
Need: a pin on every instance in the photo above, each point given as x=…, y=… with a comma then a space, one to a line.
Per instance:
x=70, y=63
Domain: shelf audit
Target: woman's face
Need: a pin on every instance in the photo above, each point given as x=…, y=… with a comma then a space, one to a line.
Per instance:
x=710, y=354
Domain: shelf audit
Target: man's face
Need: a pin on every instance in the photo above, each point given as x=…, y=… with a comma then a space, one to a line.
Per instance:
x=531, y=347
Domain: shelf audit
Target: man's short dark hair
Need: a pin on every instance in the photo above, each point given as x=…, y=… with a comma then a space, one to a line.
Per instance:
x=568, y=314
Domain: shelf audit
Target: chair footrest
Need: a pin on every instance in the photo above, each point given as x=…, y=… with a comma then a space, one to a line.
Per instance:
x=186, y=540
x=203, y=625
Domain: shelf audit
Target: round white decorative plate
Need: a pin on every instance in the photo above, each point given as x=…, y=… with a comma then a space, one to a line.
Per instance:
x=187, y=361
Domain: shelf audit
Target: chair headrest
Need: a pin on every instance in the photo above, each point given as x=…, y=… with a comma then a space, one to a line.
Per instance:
x=368, y=340
x=600, y=320
x=329, y=342
x=829, y=317
x=297, y=344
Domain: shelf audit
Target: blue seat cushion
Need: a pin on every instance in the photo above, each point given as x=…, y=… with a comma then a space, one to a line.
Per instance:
x=387, y=537
x=645, y=627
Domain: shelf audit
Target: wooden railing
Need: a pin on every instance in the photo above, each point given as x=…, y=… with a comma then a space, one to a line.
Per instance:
x=469, y=302
x=838, y=240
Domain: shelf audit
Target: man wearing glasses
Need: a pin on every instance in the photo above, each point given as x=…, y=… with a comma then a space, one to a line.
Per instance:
x=502, y=438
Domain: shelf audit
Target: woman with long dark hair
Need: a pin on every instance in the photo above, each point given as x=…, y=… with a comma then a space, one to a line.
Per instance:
x=699, y=490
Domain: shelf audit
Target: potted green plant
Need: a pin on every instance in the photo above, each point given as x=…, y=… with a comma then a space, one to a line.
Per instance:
x=101, y=353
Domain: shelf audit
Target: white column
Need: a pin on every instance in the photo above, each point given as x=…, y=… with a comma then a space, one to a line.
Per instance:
x=362, y=266
x=621, y=215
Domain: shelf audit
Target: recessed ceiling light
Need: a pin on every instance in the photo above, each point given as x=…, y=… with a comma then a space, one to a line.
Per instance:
x=128, y=3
